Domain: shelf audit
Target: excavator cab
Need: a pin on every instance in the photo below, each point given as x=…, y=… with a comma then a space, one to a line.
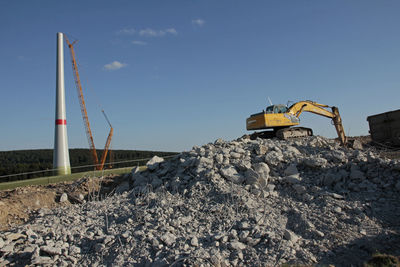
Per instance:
x=276, y=109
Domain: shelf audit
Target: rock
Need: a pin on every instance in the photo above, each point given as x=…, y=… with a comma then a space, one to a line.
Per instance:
x=398, y=186
x=273, y=158
x=42, y=261
x=319, y=233
x=260, y=149
x=300, y=189
x=219, y=142
x=251, y=177
x=156, y=182
x=292, y=179
x=50, y=250
x=357, y=145
x=1, y=242
x=63, y=198
x=154, y=162
x=232, y=175
x=168, y=239
x=337, y=209
x=261, y=169
x=122, y=187
x=74, y=250
x=290, y=236
x=291, y=169
x=14, y=236
x=236, y=245
x=315, y=162
x=139, y=180
x=7, y=248
x=194, y=242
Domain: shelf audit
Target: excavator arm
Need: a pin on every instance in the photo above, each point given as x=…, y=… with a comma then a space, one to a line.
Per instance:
x=320, y=109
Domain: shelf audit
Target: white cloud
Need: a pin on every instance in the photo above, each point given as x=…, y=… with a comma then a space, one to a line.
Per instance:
x=150, y=32
x=139, y=42
x=157, y=33
x=115, y=65
x=171, y=31
x=198, y=22
x=127, y=31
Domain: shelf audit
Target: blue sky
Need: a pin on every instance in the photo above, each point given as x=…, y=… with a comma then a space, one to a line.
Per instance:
x=174, y=74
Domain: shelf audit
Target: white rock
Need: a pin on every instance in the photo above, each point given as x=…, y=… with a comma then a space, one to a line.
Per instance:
x=168, y=239
x=64, y=197
x=51, y=250
x=232, y=175
x=273, y=158
x=194, y=242
x=262, y=169
x=236, y=245
x=154, y=162
x=357, y=145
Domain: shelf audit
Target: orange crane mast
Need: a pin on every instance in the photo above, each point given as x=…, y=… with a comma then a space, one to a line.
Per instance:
x=85, y=116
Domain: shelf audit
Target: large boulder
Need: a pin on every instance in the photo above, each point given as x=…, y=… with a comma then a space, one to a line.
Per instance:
x=154, y=162
x=232, y=175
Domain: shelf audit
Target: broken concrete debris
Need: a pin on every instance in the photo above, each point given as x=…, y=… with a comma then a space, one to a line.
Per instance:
x=244, y=202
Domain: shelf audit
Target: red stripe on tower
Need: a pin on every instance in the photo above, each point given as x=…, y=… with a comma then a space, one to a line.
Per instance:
x=61, y=122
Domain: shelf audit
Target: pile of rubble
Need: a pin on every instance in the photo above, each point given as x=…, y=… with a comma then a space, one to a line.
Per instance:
x=244, y=202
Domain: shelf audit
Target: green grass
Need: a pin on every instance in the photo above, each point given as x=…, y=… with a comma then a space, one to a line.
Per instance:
x=63, y=178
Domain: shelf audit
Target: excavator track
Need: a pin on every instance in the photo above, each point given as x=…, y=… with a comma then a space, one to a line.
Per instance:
x=293, y=132
x=283, y=134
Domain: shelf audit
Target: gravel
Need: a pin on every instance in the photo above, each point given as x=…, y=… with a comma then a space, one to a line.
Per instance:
x=244, y=202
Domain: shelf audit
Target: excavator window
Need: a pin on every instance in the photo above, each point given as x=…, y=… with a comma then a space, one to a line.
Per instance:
x=276, y=109
x=269, y=109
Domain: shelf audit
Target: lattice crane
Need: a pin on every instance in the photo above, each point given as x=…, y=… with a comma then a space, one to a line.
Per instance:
x=99, y=166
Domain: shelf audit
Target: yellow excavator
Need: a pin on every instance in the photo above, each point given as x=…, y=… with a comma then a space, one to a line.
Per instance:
x=280, y=118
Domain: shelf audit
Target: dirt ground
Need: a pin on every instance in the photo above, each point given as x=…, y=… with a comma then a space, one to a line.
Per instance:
x=18, y=205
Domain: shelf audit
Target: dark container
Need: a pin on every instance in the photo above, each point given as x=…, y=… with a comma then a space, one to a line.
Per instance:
x=385, y=127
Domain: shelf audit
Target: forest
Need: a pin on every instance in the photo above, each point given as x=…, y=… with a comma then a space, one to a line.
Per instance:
x=41, y=161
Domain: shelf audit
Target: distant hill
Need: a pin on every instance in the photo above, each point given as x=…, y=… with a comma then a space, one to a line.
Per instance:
x=22, y=161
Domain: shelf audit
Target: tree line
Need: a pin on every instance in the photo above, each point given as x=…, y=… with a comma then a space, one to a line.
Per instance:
x=22, y=161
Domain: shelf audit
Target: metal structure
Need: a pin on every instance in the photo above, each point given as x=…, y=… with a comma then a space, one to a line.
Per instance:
x=280, y=118
x=89, y=135
x=385, y=127
x=60, y=154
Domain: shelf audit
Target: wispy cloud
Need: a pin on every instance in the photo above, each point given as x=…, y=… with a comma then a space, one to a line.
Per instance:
x=139, y=42
x=157, y=33
x=21, y=58
x=127, y=31
x=198, y=22
x=115, y=65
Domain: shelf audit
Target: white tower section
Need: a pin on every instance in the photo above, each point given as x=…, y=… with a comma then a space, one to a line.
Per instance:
x=60, y=154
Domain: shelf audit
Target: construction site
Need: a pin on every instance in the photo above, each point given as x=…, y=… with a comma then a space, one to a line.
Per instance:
x=278, y=195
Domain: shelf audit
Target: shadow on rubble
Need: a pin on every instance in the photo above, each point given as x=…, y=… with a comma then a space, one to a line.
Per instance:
x=361, y=250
